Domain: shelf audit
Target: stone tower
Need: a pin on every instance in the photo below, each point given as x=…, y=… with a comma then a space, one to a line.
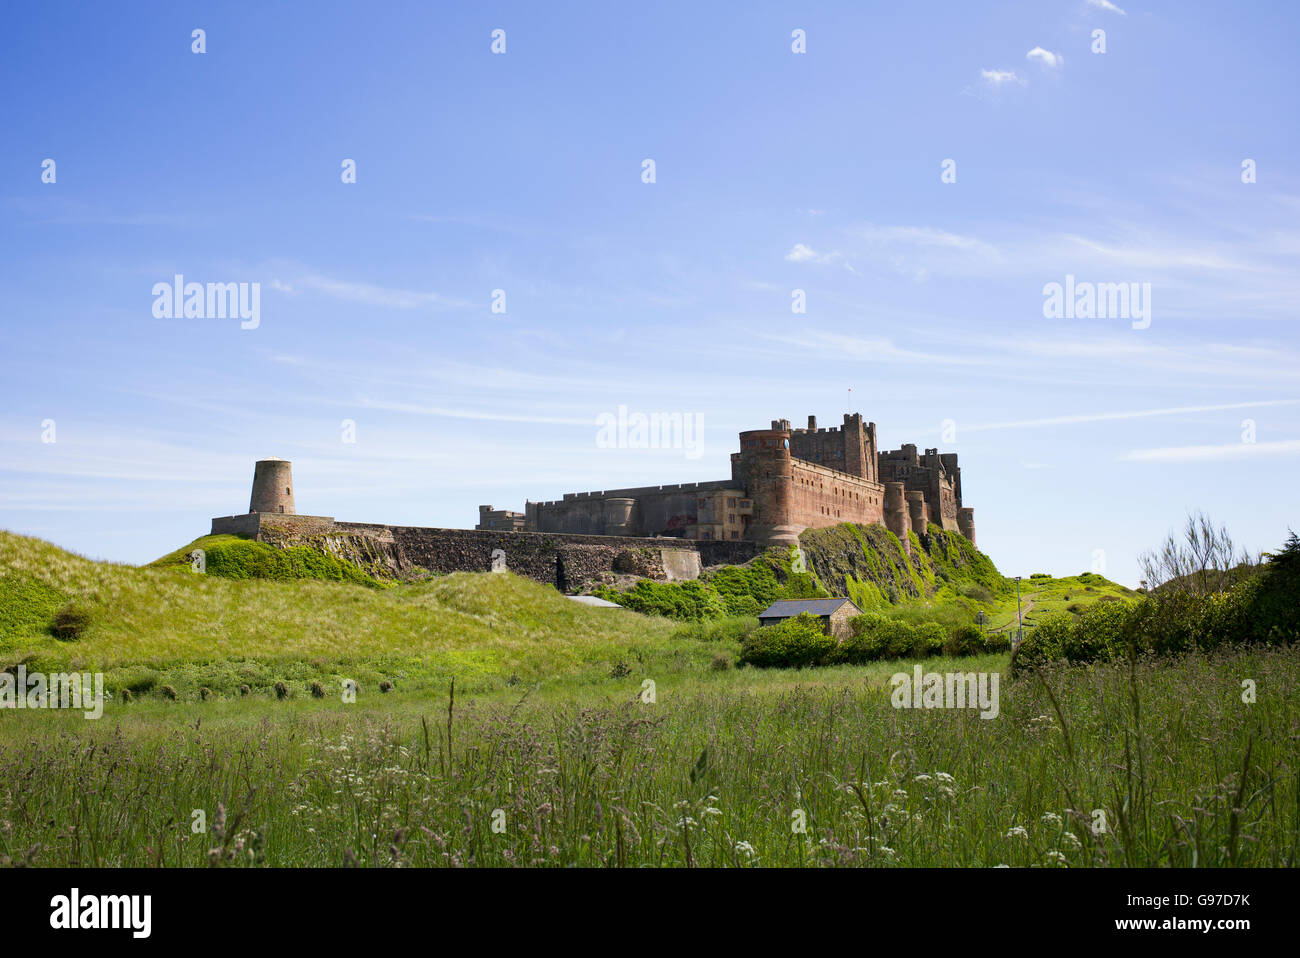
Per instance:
x=272, y=487
x=896, y=515
x=966, y=523
x=763, y=468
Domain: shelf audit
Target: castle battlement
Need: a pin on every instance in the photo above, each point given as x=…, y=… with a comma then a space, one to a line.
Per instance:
x=783, y=480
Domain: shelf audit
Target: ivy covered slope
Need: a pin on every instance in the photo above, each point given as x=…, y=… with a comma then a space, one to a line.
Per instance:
x=947, y=579
x=868, y=565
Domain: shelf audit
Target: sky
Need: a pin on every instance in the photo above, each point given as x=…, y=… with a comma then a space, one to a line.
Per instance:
x=506, y=269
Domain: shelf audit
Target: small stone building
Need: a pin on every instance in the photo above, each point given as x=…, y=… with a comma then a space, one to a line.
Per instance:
x=834, y=613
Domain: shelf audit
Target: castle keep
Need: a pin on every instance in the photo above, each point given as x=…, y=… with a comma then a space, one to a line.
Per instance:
x=783, y=481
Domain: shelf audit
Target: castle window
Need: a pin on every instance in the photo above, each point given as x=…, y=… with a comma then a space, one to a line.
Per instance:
x=731, y=519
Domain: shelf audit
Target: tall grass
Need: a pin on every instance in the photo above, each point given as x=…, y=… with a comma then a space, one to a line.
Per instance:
x=711, y=774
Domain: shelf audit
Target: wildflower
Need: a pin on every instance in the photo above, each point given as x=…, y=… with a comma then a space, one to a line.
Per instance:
x=944, y=777
x=1056, y=858
x=1017, y=831
x=1051, y=818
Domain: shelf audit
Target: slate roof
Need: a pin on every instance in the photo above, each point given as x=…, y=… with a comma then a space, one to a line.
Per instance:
x=785, y=608
x=593, y=601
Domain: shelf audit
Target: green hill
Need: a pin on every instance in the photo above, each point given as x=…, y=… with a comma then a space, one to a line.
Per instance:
x=164, y=624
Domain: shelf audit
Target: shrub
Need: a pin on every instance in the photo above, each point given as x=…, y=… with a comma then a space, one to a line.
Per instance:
x=965, y=640
x=1098, y=635
x=317, y=690
x=721, y=662
x=168, y=693
x=205, y=693
x=245, y=690
x=69, y=622
x=386, y=686
x=281, y=690
x=795, y=643
x=1044, y=643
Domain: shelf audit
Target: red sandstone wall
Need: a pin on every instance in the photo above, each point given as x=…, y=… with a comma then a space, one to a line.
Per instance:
x=822, y=497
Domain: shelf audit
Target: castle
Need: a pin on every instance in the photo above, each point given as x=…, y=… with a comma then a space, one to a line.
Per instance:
x=783, y=481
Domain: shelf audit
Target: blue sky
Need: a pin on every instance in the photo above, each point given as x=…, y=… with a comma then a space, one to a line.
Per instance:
x=774, y=171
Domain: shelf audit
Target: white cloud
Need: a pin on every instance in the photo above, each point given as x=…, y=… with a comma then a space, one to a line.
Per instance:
x=1046, y=57
x=801, y=253
x=997, y=78
x=1107, y=5
x=1231, y=450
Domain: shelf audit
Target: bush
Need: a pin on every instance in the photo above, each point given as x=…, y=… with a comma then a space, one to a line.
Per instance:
x=1044, y=643
x=1098, y=635
x=721, y=662
x=69, y=622
x=168, y=693
x=317, y=690
x=965, y=640
x=281, y=690
x=795, y=643
x=689, y=601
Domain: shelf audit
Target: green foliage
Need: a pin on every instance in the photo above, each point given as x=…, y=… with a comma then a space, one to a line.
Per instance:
x=70, y=621
x=1098, y=635
x=686, y=601
x=1262, y=609
x=1045, y=643
x=257, y=560
x=795, y=643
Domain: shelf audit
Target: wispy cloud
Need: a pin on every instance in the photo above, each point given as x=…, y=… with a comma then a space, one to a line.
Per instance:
x=1129, y=414
x=367, y=293
x=996, y=79
x=1108, y=6
x=1227, y=451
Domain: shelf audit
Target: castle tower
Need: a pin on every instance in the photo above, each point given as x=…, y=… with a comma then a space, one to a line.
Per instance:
x=966, y=523
x=763, y=469
x=916, y=511
x=896, y=512
x=272, y=487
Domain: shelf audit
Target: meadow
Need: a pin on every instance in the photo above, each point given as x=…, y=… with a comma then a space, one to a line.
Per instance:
x=1150, y=764
x=497, y=723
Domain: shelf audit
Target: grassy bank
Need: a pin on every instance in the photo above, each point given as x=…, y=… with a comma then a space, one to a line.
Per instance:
x=715, y=771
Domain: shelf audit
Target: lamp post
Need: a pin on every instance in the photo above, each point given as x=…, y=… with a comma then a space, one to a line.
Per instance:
x=1020, y=629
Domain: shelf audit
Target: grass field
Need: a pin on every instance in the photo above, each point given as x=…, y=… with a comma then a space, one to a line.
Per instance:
x=550, y=752
x=715, y=772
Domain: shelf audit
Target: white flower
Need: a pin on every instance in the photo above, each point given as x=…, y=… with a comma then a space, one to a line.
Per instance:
x=944, y=777
x=1051, y=818
x=1018, y=831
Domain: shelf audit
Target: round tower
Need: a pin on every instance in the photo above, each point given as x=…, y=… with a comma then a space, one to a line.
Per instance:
x=272, y=487
x=765, y=468
x=896, y=511
x=966, y=523
x=916, y=509
x=621, y=517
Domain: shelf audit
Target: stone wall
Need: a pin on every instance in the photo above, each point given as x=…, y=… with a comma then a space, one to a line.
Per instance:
x=568, y=562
